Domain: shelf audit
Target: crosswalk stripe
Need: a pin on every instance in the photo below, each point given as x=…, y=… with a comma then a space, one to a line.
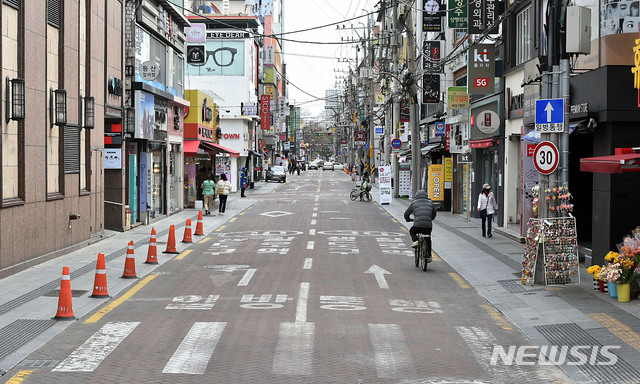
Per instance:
x=193, y=354
x=90, y=354
x=294, y=352
x=391, y=352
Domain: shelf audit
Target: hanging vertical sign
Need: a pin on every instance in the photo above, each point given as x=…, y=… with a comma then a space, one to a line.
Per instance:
x=430, y=89
x=436, y=180
x=431, y=55
x=481, y=68
x=482, y=14
x=265, y=112
x=457, y=14
x=269, y=54
x=431, y=16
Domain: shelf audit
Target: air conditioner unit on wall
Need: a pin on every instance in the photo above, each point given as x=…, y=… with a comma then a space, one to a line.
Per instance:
x=578, y=30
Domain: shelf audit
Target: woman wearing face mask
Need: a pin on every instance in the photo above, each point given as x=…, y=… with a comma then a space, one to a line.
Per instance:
x=487, y=206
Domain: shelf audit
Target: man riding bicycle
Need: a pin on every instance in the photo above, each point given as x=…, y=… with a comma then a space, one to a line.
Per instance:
x=364, y=187
x=423, y=212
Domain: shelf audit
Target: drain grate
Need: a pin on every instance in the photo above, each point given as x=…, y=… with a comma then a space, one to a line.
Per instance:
x=74, y=293
x=572, y=335
x=39, y=363
x=484, y=247
x=18, y=333
x=515, y=286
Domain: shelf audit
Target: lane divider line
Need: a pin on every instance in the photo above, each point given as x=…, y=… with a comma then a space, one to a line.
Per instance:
x=114, y=304
x=459, y=280
x=312, y=232
x=205, y=240
x=308, y=262
x=615, y=326
x=502, y=322
x=310, y=244
x=183, y=254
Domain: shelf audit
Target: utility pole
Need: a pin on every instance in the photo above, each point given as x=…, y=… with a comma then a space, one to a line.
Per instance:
x=416, y=158
x=396, y=94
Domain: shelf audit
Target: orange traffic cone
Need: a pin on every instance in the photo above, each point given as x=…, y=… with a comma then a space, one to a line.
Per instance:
x=130, y=264
x=347, y=170
x=100, y=282
x=152, y=254
x=65, y=305
x=187, y=233
x=171, y=242
x=199, y=225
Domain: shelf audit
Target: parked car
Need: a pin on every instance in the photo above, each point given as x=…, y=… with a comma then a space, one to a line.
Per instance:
x=327, y=166
x=338, y=167
x=276, y=173
x=313, y=165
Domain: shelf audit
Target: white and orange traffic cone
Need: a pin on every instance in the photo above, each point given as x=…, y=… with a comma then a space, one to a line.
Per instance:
x=187, y=233
x=199, y=225
x=130, y=264
x=152, y=254
x=171, y=242
x=100, y=282
x=65, y=304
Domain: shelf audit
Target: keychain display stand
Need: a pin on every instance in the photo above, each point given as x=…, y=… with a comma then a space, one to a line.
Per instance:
x=553, y=240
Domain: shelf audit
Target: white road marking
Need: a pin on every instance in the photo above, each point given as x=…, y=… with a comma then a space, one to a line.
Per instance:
x=310, y=244
x=379, y=273
x=308, y=262
x=193, y=354
x=314, y=215
x=247, y=277
x=312, y=232
x=391, y=352
x=313, y=222
x=294, y=352
x=90, y=354
x=315, y=208
x=301, y=308
x=481, y=343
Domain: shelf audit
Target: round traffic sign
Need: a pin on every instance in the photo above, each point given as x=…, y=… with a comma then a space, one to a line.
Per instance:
x=360, y=136
x=396, y=143
x=545, y=157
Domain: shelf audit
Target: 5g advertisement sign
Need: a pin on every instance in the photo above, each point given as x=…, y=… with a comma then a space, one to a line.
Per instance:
x=481, y=68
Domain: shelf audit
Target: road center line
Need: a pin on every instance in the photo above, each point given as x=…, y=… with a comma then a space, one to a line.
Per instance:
x=110, y=307
x=310, y=244
x=313, y=222
x=312, y=232
x=247, y=277
x=308, y=262
x=301, y=308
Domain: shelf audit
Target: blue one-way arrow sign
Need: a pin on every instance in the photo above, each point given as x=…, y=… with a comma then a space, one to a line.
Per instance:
x=550, y=115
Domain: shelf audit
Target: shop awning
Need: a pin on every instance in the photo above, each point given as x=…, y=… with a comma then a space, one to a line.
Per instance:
x=430, y=147
x=484, y=143
x=191, y=148
x=629, y=162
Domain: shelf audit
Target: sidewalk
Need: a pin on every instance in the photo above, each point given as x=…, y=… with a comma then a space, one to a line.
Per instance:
x=561, y=315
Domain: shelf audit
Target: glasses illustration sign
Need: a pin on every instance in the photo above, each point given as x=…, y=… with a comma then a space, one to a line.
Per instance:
x=225, y=58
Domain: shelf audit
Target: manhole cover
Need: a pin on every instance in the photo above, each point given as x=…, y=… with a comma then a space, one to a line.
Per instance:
x=56, y=293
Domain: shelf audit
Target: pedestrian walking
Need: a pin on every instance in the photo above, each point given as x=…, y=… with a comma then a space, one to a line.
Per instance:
x=487, y=206
x=209, y=192
x=298, y=166
x=223, y=188
x=243, y=181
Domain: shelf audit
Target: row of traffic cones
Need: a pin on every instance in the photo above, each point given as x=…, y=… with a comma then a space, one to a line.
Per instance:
x=65, y=305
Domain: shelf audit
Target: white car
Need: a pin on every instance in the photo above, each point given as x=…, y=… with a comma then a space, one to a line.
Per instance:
x=338, y=167
x=327, y=166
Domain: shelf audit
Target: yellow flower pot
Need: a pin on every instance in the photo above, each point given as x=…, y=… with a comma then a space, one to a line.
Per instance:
x=624, y=292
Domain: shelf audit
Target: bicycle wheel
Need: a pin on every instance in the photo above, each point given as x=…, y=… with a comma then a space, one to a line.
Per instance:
x=353, y=195
x=366, y=197
x=423, y=259
x=416, y=254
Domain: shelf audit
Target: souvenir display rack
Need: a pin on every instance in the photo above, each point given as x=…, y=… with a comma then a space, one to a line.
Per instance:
x=555, y=241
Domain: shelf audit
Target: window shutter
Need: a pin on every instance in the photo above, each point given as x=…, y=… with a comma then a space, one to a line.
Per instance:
x=53, y=13
x=71, y=149
x=14, y=3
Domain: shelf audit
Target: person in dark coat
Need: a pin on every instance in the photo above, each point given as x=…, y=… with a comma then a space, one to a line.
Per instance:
x=423, y=212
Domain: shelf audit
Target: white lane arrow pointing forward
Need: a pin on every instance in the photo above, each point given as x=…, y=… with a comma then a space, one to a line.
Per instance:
x=380, y=272
x=548, y=109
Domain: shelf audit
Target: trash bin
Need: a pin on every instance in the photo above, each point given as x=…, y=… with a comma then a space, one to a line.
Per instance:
x=251, y=185
x=127, y=217
x=145, y=217
x=198, y=204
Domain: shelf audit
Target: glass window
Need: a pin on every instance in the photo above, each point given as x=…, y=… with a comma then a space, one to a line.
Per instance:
x=523, y=31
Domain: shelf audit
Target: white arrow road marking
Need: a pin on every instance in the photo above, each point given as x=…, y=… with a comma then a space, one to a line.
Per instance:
x=548, y=109
x=294, y=352
x=194, y=353
x=391, y=352
x=380, y=272
x=90, y=354
x=246, y=278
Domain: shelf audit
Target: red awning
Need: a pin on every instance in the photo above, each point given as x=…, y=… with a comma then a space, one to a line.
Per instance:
x=484, y=143
x=611, y=164
x=191, y=148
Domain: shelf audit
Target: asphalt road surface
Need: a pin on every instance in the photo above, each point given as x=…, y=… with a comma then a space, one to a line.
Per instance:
x=305, y=286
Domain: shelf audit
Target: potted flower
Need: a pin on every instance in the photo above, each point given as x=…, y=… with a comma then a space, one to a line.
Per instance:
x=594, y=271
x=627, y=260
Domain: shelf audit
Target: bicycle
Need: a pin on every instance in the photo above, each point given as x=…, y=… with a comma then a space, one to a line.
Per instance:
x=422, y=252
x=355, y=193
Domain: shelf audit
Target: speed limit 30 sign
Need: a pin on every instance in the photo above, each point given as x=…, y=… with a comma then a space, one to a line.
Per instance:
x=545, y=157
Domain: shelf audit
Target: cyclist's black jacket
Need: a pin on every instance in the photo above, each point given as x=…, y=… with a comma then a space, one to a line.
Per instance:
x=422, y=209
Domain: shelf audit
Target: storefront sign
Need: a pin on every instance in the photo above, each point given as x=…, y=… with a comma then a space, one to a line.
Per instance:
x=431, y=16
x=448, y=172
x=459, y=138
x=269, y=54
x=249, y=109
x=481, y=68
x=265, y=111
x=436, y=179
x=113, y=134
x=404, y=174
x=431, y=55
x=516, y=106
x=384, y=182
x=227, y=35
x=485, y=121
x=457, y=98
x=196, y=33
x=149, y=70
x=457, y=14
x=112, y=158
x=636, y=69
x=482, y=14
x=430, y=89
